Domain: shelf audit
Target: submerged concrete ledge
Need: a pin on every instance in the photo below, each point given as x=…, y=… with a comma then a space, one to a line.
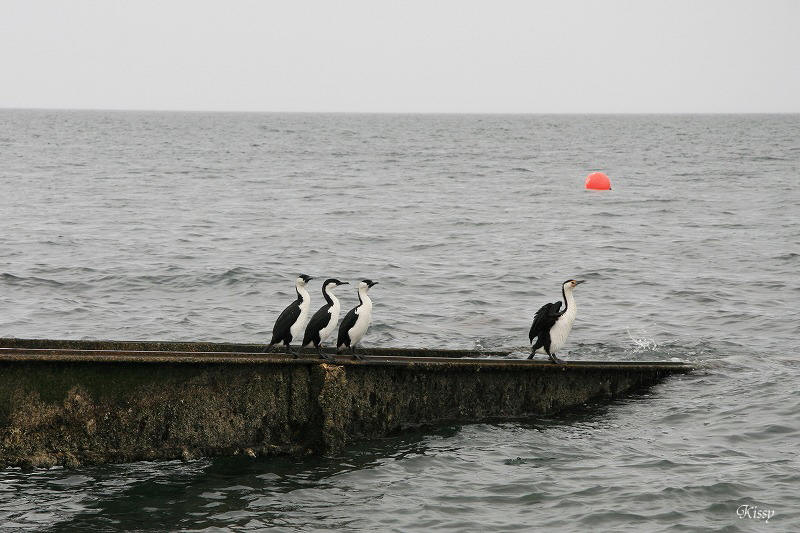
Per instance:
x=90, y=402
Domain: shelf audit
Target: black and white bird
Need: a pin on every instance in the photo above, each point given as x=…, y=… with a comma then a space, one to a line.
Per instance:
x=292, y=320
x=357, y=320
x=551, y=326
x=325, y=319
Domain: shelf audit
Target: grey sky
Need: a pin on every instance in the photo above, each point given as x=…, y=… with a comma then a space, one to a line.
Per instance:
x=425, y=56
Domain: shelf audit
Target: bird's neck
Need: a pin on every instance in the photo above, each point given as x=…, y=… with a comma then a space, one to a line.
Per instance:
x=569, y=299
x=364, y=298
x=302, y=292
x=329, y=296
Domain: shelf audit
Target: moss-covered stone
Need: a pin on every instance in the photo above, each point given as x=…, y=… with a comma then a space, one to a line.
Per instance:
x=73, y=409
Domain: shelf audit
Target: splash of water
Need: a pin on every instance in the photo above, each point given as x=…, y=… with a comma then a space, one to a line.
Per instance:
x=643, y=343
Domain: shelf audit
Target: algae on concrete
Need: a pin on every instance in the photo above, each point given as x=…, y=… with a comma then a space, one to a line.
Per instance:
x=77, y=410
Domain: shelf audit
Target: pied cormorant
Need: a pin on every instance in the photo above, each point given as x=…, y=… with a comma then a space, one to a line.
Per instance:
x=292, y=320
x=357, y=320
x=325, y=319
x=551, y=326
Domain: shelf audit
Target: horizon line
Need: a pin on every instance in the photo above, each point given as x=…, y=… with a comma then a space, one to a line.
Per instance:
x=295, y=112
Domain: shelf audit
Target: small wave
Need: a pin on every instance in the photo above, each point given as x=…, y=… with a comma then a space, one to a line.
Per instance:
x=420, y=247
x=768, y=158
x=11, y=279
x=611, y=247
x=232, y=276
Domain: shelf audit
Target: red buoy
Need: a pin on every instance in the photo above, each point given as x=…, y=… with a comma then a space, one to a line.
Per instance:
x=598, y=181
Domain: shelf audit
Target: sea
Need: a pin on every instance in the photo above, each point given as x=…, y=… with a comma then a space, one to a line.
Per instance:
x=194, y=226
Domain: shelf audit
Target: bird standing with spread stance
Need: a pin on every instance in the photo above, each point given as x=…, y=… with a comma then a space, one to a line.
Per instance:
x=551, y=326
x=292, y=320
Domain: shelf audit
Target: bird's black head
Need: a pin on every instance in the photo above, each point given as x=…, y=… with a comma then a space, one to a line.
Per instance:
x=305, y=278
x=367, y=283
x=572, y=283
x=333, y=282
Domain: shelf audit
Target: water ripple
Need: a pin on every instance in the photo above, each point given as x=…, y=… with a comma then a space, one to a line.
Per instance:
x=193, y=226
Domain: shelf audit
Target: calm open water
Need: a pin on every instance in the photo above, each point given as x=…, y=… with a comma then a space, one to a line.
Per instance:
x=194, y=225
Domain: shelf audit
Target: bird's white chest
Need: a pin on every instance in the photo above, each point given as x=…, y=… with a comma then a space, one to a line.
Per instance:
x=300, y=324
x=363, y=319
x=334, y=310
x=560, y=330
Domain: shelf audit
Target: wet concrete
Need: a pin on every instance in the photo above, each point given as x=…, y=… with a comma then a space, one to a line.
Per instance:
x=90, y=402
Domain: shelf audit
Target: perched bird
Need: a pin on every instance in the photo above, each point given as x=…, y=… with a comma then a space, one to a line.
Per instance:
x=324, y=321
x=293, y=319
x=550, y=326
x=357, y=320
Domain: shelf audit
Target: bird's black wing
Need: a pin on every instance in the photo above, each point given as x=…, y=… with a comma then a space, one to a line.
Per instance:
x=544, y=319
x=347, y=324
x=284, y=323
x=317, y=324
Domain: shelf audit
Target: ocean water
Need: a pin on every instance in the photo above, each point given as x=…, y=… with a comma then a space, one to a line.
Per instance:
x=174, y=226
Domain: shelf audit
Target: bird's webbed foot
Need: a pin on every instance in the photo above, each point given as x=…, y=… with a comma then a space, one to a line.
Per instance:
x=554, y=358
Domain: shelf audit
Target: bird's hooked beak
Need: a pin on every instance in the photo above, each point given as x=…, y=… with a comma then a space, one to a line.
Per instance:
x=579, y=281
x=373, y=283
x=343, y=283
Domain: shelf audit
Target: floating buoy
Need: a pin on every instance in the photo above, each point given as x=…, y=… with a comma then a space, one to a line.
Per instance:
x=598, y=181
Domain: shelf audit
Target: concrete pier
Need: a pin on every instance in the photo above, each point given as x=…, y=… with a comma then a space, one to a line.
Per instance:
x=91, y=402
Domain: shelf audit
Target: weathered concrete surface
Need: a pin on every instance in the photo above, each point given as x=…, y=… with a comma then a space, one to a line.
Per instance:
x=215, y=347
x=76, y=406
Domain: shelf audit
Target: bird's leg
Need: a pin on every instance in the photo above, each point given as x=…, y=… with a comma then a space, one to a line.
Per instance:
x=554, y=358
x=357, y=357
x=323, y=355
x=535, y=346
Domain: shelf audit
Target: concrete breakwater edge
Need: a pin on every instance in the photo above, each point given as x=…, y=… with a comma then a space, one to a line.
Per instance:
x=91, y=402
